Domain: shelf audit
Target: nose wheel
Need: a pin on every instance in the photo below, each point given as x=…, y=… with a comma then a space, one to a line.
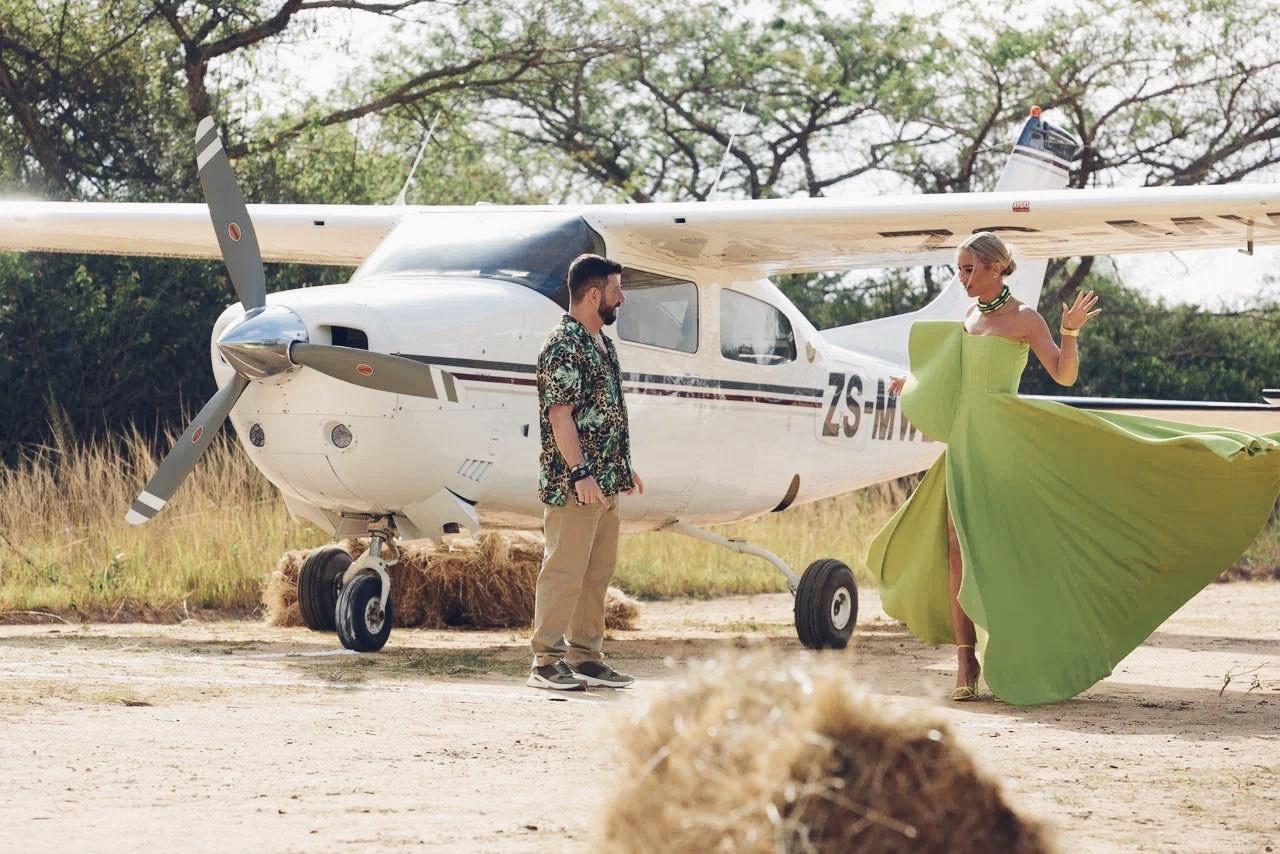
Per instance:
x=364, y=622
x=353, y=597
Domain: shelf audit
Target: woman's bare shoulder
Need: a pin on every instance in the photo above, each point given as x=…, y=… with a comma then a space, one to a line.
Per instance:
x=1029, y=319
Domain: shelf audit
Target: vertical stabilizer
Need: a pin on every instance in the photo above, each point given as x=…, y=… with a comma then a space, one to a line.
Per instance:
x=1040, y=160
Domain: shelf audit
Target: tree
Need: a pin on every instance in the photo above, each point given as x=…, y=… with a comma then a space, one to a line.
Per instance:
x=102, y=97
x=597, y=99
x=1159, y=92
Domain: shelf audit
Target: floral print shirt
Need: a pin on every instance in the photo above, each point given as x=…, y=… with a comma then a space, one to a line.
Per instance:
x=572, y=371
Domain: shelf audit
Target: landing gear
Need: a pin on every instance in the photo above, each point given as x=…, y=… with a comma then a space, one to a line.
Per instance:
x=364, y=621
x=318, y=585
x=826, y=605
x=353, y=597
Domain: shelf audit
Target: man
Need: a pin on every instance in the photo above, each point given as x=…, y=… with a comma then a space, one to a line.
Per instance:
x=585, y=463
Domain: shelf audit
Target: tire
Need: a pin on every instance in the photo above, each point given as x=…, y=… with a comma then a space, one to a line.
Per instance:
x=318, y=584
x=826, y=605
x=363, y=626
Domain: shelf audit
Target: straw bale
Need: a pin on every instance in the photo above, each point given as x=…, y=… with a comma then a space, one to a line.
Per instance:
x=760, y=753
x=484, y=583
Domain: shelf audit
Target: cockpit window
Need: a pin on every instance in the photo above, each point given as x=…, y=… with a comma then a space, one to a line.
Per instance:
x=753, y=331
x=527, y=247
x=660, y=311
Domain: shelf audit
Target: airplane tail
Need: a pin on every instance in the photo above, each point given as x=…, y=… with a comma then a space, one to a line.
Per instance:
x=1040, y=160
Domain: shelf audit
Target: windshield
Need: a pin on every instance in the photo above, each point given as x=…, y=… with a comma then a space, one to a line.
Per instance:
x=532, y=248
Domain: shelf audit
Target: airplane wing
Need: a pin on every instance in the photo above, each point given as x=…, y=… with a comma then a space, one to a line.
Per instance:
x=763, y=237
x=340, y=235
x=802, y=235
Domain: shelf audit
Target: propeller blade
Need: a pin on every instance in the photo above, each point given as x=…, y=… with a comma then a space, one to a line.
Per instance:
x=379, y=371
x=182, y=458
x=236, y=237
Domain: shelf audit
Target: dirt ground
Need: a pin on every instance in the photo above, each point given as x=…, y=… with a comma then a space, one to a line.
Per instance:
x=237, y=736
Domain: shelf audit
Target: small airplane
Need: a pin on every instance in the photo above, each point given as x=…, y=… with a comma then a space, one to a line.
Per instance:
x=403, y=403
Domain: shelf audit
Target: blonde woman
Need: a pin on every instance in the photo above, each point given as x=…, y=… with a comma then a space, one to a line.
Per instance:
x=1048, y=541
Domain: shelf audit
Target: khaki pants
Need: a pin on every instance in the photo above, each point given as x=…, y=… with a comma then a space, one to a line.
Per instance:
x=568, y=607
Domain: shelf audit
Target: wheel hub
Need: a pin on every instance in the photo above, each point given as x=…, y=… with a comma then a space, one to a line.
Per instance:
x=373, y=616
x=841, y=609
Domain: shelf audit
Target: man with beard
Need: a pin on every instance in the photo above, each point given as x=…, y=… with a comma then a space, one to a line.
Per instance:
x=584, y=465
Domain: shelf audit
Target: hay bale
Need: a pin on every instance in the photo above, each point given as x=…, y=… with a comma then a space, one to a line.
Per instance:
x=280, y=596
x=483, y=583
x=760, y=753
x=620, y=610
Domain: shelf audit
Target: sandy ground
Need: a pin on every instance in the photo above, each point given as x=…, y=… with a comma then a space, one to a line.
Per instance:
x=237, y=736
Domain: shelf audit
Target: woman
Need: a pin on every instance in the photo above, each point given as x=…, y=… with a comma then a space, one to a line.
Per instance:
x=1049, y=541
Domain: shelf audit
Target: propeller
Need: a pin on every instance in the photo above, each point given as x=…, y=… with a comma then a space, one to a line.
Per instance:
x=268, y=340
x=182, y=458
x=236, y=237
x=380, y=371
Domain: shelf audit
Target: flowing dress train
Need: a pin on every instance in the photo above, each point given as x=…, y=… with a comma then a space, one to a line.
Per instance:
x=1081, y=531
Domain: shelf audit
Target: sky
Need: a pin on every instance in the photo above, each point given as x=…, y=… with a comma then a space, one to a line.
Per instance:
x=1223, y=279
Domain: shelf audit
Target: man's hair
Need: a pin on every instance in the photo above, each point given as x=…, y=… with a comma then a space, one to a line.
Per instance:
x=590, y=271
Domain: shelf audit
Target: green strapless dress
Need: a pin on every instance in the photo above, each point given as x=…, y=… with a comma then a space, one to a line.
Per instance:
x=1082, y=531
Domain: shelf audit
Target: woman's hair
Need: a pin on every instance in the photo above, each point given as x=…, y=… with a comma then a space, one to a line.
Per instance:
x=991, y=250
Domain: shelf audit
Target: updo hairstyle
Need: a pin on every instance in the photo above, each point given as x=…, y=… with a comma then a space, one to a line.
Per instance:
x=991, y=250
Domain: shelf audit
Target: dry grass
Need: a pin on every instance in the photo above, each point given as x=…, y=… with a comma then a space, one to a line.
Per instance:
x=662, y=565
x=66, y=550
x=761, y=753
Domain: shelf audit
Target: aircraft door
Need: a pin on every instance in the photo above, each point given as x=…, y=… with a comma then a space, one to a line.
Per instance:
x=758, y=431
x=659, y=334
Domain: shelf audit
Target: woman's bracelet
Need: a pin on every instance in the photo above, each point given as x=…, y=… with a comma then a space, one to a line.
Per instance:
x=579, y=472
x=1070, y=333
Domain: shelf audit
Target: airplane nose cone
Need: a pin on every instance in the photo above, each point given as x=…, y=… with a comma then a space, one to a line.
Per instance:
x=258, y=346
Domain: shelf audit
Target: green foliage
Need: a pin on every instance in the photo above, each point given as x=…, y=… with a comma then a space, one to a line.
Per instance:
x=88, y=89
x=101, y=342
x=1137, y=348
x=835, y=299
x=553, y=100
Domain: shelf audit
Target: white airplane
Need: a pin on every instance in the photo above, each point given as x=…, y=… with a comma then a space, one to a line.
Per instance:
x=404, y=403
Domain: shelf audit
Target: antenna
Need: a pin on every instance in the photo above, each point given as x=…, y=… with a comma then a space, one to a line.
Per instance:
x=414, y=168
x=715, y=185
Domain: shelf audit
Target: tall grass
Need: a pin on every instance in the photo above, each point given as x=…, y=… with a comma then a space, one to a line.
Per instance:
x=65, y=548
x=660, y=565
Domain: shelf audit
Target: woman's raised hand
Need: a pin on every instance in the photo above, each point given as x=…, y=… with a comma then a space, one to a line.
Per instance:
x=1079, y=312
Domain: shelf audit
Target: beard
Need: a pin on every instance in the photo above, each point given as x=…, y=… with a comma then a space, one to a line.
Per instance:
x=608, y=314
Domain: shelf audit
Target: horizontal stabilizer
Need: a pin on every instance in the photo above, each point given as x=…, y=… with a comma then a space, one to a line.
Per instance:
x=1256, y=418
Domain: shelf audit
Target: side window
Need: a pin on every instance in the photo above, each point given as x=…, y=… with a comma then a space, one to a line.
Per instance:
x=660, y=311
x=753, y=331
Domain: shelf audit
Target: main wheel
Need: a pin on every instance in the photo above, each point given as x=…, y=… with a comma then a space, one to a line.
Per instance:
x=826, y=605
x=318, y=584
x=363, y=625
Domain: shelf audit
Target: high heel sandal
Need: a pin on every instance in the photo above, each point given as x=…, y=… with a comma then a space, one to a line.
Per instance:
x=969, y=691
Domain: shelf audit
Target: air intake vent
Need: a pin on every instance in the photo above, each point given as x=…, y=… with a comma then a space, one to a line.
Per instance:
x=345, y=336
x=475, y=469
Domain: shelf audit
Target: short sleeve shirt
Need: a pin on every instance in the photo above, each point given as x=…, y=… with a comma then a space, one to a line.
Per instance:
x=573, y=372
